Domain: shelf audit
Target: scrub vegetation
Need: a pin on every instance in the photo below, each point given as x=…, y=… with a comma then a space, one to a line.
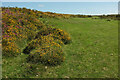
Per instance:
x=39, y=44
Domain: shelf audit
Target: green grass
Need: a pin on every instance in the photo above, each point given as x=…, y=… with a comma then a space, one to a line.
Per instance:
x=93, y=52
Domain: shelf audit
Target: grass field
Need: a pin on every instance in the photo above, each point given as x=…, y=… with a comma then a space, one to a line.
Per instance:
x=93, y=52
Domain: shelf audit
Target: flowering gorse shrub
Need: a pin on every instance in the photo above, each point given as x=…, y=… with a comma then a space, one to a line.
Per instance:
x=55, y=33
x=50, y=54
x=61, y=35
x=35, y=43
x=10, y=49
x=42, y=43
x=46, y=47
x=18, y=25
x=46, y=50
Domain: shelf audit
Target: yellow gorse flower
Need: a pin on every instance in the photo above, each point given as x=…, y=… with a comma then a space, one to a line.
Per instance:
x=42, y=54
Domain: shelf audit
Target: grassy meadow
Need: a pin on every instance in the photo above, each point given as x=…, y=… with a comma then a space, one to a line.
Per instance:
x=93, y=52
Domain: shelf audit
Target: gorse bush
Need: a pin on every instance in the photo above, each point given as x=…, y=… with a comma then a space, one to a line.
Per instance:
x=49, y=40
x=10, y=49
x=46, y=50
x=20, y=20
x=35, y=43
x=62, y=35
x=56, y=34
x=42, y=43
x=50, y=54
x=18, y=25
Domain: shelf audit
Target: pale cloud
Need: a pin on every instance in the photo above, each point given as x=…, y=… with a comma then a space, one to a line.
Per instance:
x=40, y=5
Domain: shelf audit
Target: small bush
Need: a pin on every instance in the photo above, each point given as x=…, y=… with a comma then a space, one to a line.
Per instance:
x=56, y=34
x=50, y=54
x=61, y=35
x=44, y=32
x=49, y=40
x=39, y=42
x=10, y=49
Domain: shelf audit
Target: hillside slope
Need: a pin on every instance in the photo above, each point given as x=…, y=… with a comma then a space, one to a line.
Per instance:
x=93, y=52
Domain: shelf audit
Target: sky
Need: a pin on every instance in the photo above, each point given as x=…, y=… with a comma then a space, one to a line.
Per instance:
x=85, y=8
x=59, y=0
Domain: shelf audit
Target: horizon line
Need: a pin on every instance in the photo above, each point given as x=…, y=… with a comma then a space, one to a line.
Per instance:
x=68, y=13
